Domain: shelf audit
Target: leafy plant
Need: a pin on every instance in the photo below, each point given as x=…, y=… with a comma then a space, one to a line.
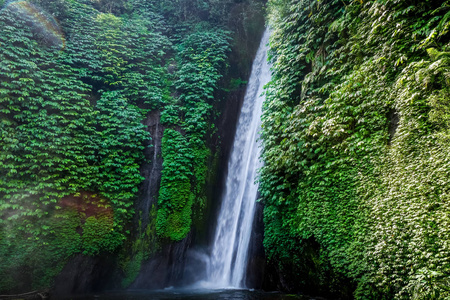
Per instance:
x=353, y=143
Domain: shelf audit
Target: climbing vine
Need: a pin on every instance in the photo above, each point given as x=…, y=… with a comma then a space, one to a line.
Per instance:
x=72, y=103
x=77, y=81
x=201, y=56
x=354, y=146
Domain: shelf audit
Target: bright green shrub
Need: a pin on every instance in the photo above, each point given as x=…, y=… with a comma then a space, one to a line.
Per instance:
x=175, y=196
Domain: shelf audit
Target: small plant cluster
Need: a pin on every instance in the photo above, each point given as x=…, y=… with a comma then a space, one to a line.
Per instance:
x=355, y=131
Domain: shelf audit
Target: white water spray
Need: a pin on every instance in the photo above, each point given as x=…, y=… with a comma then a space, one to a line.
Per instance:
x=228, y=261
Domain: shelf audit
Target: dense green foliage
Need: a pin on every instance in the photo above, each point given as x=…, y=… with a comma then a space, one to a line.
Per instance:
x=175, y=196
x=70, y=124
x=77, y=80
x=355, y=131
x=201, y=55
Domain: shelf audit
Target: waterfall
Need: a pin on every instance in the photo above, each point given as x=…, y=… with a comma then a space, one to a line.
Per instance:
x=228, y=260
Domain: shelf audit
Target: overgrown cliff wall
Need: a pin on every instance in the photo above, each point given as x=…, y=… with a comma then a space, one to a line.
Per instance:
x=112, y=117
x=355, y=130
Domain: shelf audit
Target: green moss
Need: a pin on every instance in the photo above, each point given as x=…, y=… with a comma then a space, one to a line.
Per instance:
x=146, y=244
x=133, y=266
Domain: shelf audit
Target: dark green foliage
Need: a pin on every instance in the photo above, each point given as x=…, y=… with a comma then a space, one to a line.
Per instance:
x=70, y=124
x=201, y=56
x=77, y=80
x=120, y=151
x=338, y=167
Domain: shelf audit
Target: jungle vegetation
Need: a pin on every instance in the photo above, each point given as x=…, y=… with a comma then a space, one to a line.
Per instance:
x=356, y=128
x=356, y=133
x=77, y=80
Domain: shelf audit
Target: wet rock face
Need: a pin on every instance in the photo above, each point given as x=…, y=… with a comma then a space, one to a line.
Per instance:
x=82, y=275
x=151, y=170
x=165, y=268
x=256, y=266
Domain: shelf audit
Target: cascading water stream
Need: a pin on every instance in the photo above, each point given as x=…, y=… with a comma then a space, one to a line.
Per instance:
x=228, y=260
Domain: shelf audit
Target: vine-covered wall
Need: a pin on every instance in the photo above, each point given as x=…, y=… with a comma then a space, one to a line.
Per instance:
x=355, y=129
x=77, y=80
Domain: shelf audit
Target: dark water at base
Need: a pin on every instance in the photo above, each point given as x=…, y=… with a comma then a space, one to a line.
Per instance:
x=174, y=294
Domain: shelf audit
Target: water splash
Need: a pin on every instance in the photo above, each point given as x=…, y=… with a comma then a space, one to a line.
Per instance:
x=228, y=261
